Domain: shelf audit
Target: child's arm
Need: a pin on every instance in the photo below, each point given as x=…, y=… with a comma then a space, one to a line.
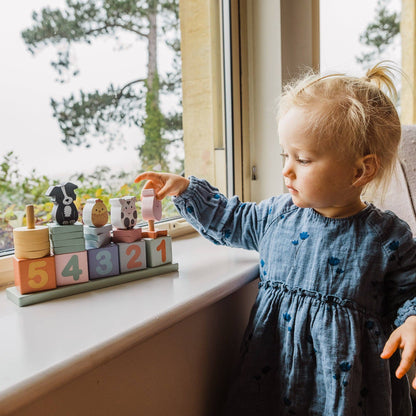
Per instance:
x=164, y=184
x=404, y=337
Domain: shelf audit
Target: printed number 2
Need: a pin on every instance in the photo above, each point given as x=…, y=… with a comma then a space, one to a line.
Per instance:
x=36, y=270
x=72, y=268
x=135, y=251
x=162, y=248
x=104, y=262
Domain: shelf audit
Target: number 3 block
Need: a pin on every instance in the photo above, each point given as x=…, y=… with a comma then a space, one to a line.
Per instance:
x=71, y=268
x=103, y=262
x=132, y=256
x=34, y=275
x=158, y=251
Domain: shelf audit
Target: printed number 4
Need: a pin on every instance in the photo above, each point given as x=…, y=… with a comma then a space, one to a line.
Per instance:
x=72, y=269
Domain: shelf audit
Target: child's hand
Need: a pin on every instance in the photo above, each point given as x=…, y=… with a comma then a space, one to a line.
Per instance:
x=164, y=184
x=404, y=337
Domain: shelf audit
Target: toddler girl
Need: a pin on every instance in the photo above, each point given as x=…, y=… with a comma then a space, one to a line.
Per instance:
x=337, y=289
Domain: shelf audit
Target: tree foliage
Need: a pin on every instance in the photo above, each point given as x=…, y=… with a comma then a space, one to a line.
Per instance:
x=379, y=34
x=100, y=114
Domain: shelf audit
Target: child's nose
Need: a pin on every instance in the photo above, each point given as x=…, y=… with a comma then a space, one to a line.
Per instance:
x=288, y=170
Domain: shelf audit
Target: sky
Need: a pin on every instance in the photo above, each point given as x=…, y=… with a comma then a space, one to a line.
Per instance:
x=28, y=82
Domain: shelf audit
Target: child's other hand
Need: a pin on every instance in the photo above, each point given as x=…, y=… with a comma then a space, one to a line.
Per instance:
x=404, y=337
x=164, y=184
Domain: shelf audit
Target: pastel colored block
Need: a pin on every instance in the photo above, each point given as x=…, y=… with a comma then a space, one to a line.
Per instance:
x=127, y=236
x=63, y=291
x=97, y=241
x=31, y=243
x=71, y=268
x=34, y=275
x=132, y=256
x=158, y=251
x=55, y=228
x=88, y=230
x=72, y=248
x=103, y=262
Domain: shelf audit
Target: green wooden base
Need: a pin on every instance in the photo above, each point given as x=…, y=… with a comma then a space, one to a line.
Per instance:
x=32, y=298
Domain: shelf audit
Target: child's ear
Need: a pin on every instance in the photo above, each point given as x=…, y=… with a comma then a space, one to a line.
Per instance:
x=366, y=169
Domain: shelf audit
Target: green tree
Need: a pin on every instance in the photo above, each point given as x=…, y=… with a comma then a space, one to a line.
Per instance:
x=137, y=103
x=380, y=34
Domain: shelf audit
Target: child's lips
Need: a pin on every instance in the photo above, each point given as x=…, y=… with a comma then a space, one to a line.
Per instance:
x=291, y=189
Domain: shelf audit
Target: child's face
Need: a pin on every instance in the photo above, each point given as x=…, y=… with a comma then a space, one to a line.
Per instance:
x=317, y=176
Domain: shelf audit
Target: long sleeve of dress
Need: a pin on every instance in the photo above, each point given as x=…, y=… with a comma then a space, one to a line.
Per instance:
x=226, y=221
x=400, y=282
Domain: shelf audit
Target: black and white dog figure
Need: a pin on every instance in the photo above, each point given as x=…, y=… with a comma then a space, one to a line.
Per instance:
x=63, y=196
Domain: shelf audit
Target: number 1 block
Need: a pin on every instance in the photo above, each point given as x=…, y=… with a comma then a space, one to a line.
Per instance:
x=158, y=251
x=103, y=262
x=71, y=268
x=132, y=256
x=34, y=275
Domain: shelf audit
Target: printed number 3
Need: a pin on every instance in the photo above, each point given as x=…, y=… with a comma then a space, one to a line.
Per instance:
x=105, y=264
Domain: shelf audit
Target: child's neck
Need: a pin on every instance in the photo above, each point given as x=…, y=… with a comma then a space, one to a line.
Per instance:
x=342, y=211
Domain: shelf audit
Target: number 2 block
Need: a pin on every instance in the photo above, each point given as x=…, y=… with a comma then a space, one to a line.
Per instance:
x=158, y=251
x=71, y=268
x=103, y=262
x=34, y=275
x=132, y=256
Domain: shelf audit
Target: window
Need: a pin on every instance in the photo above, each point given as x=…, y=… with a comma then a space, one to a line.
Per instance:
x=121, y=59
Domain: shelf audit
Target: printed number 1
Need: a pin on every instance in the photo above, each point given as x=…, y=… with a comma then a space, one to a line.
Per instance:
x=72, y=269
x=162, y=248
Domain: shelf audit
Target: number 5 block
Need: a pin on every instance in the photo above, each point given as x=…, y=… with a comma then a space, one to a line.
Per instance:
x=158, y=251
x=132, y=256
x=71, y=268
x=103, y=262
x=34, y=275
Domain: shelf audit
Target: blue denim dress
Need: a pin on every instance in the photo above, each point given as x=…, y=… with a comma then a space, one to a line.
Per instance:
x=330, y=293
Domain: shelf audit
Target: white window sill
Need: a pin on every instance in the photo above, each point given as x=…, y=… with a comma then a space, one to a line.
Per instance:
x=46, y=345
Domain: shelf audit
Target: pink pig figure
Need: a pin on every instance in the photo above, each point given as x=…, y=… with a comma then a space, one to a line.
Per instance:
x=151, y=211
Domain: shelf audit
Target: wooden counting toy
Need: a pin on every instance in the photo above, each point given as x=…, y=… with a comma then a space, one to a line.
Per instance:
x=31, y=242
x=87, y=256
x=34, y=270
x=96, y=237
x=158, y=251
x=71, y=268
x=95, y=213
x=103, y=261
x=124, y=212
x=63, y=196
x=151, y=211
x=132, y=256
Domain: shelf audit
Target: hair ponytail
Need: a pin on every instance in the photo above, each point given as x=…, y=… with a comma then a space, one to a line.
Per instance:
x=382, y=75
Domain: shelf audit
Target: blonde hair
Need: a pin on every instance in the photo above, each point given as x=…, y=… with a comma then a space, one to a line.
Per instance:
x=352, y=114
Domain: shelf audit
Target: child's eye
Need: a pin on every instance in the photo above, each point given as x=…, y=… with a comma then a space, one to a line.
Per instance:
x=284, y=155
x=303, y=161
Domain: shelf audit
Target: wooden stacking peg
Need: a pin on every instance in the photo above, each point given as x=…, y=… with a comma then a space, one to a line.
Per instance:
x=31, y=242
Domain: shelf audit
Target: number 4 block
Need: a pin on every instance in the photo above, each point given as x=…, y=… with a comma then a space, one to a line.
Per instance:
x=132, y=256
x=71, y=268
x=34, y=275
x=158, y=251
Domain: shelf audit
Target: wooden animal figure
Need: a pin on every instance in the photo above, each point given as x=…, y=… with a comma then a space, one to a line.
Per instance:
x=124, y=212
x=151, y=211
x=95, y=213
x=63, y=196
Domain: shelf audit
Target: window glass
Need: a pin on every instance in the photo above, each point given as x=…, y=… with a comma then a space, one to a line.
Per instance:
x=356, y=34
x=91, y=94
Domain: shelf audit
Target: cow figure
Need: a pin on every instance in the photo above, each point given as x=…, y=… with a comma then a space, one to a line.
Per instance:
x=124, y=212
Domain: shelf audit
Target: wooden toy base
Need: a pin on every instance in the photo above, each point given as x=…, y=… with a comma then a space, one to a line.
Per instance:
x=32, y=298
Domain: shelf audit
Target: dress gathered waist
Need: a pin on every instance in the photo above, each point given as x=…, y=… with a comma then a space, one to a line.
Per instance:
x=320, y=297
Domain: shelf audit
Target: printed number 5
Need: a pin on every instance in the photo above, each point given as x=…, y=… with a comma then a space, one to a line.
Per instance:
x=36, y=270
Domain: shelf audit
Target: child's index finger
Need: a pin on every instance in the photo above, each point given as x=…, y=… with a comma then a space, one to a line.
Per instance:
x=146, y=176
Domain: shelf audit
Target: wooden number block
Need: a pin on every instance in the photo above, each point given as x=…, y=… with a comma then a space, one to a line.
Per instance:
x=132, y=256
x=158, y=251
x=34, y=275
x=71, y=268
x=103, y=262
